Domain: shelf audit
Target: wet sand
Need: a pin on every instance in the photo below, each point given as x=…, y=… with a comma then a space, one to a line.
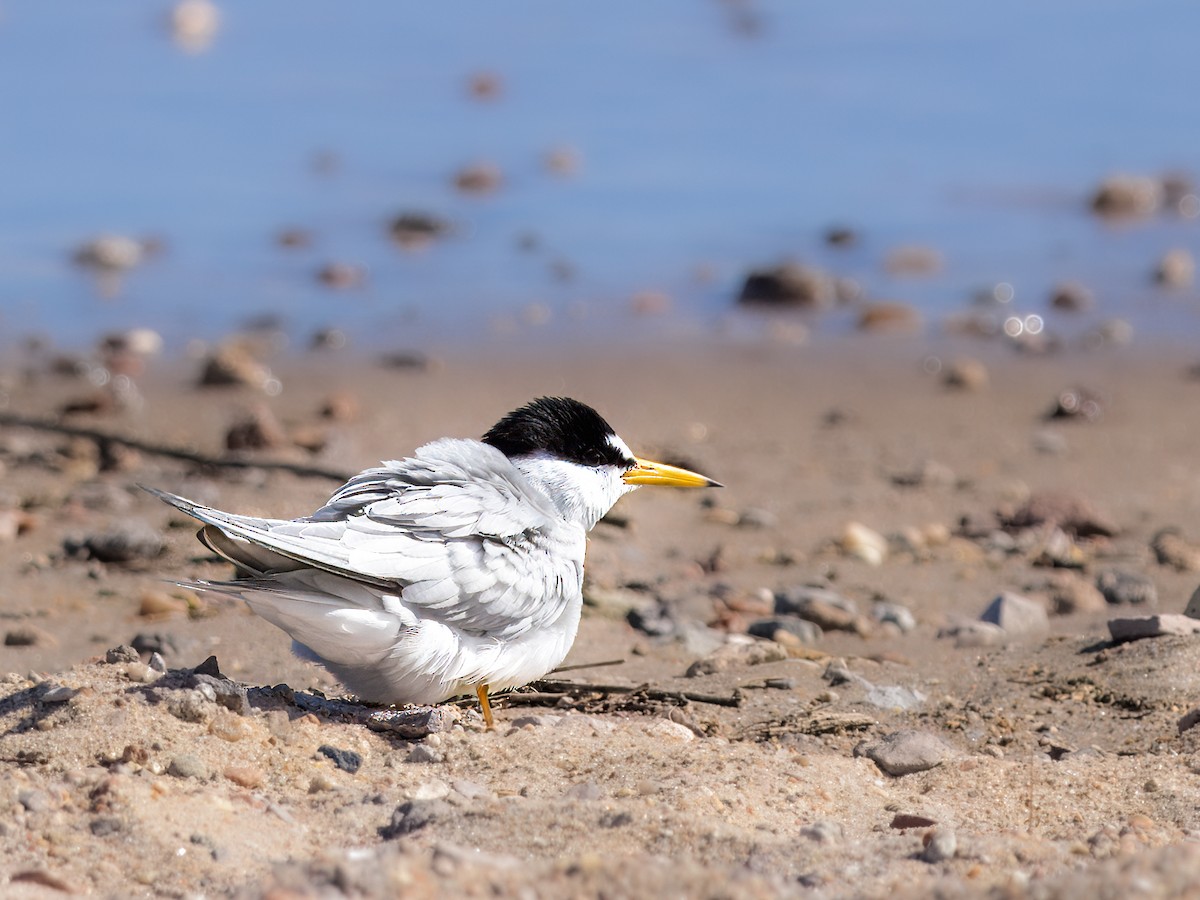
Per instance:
x=1059, y=765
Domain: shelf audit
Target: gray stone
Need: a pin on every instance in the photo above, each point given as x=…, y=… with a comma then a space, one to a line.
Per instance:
x=737, y=654
x=905, y=752
x=121, y=654
x=1132, y=629
x=123, y=543
x=414, y=723
x=187, y=765
x=57, y=693
x=1016, y=615
x=802, y=630
x=423, y=753
x=942, y=845
x=894, y=696
x=825, y=831
x=974, y=634
x=1122, y=588
x=414, y=815
x=900, y=616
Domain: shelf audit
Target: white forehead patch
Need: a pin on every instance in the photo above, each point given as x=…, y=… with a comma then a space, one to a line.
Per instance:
x=620, y=446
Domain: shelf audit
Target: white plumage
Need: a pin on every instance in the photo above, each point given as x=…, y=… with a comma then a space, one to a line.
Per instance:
x=459, y=569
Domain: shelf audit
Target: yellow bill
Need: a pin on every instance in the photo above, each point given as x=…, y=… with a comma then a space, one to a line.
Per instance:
x=646, y=471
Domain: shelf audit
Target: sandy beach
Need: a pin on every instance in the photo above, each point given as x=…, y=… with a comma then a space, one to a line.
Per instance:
x=899, y=747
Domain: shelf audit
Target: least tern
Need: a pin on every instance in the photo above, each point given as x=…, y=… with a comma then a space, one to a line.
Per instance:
x=457, y=570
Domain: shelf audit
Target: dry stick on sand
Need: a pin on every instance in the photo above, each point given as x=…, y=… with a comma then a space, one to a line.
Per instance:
x=13, y=420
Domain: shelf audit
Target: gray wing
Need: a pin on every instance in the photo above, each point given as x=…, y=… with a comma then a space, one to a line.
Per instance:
x=456, y=531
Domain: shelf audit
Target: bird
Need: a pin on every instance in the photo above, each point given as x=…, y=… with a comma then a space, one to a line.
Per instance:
x=456, y=570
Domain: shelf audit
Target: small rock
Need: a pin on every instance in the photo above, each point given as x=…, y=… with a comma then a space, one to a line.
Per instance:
x=235, y=364
x=423, y=753
x=342, y=276
x=788, y=285
x=974, y=634
x=58, y=693
x=885, y=612
x=737, y=654
x=653, y=618
x=1172, y=549
x=413, y=816
x=1193, y=607
x=412, y=230
x=902, y=821
x=248, y=777
x=187, y=765
x=188, y=706
x=256, y=430
x=1071, y=297
x=825, y=831
x=320, y=783
x=149, y=642
x=1016, y=615
x=34, y=801
x=27, y=636
x=479, y=178
x=102, y=826
x=342, y=406
x=826, y=608
x=229, y=694
x=121, y=654
x=228, y=727
x=783, y=628
x=1068, y=593
x=966, y=374
x=346, y=760
x=927, y=473
x=913, y=260
x=894, y=696
x=863, y=543
x=1123, y=588
x=416, y=723
x=1123, y=196
x=155, y=603
x=1132, y=629
x=1190, y=720
x=584, y=790
x=123, y=543
x=1078, y=403
x=110, y=253
x=941, y=844
x=1069, y=512
x=1055, y=548
x=1177, y=269
x=889, y=317
x=905, y=752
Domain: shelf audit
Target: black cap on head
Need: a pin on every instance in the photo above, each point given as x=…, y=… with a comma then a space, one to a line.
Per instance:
x=561, y=427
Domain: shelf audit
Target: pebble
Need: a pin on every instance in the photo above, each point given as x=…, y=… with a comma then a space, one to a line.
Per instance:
x=737, y=654
x=894, y=696
x=1078, y=403
x=122, y=543
x=26, y=636
x=966, y=374
x=140, y=672
x=187, y=765
x=234, y=364
x=584, y=790
x=941, y=844
x=415, y=723
x=889, y=317
x=110, y=253
x=1071, y=296
x=412, y=230
x=1176, y=269
x=156, y=603
x=58, y=693
x=927, y=473
x=1016, y=615
x=974, y=634
x=414, y=815
x=33, y=800
x=790, y=284
x=431, y=790
x=828, y=609
x=1124, y=588
x=1068, y=593
x=423, y=753
x=653, y=618
x=229, y=694
x=188, y=706
x=905, y=752
x=245, y=776
x=786, y=630
x=861, y=542
x=321, y=782
x=257, y=429
x=884, y=611
x=1070, y=512
x=1121, y=196
x=825, y=831
x=1172, y=549
x=1188, y=721
x=154, y=642
x=346, y=760
x=228, y=727
x=1136, y=628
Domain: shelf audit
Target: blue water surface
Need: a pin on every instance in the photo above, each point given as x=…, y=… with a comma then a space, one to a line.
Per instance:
x=712, y=137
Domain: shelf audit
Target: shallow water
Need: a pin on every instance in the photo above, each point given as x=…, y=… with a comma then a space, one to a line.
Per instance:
x=712, y=137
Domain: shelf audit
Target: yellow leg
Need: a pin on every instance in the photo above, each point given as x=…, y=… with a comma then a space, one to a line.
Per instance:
x=485, y=706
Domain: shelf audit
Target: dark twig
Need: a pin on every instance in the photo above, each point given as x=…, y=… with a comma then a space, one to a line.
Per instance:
x=550, y=686
x=13, y=420
x=595, y=665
